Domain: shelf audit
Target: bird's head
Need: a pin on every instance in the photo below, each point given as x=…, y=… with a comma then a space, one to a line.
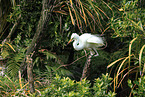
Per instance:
x=74, y=36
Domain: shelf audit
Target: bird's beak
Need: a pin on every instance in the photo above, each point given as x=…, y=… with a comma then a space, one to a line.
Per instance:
x=69, y=41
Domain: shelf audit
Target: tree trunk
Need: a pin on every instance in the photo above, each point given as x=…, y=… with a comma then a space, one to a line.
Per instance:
x=30, y=73
x=40, y=27
x=86, y=68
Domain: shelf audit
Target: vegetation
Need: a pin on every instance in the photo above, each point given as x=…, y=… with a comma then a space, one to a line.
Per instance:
x=35, y=59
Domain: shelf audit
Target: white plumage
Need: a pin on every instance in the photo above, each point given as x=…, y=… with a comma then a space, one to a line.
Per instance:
x=87, y=41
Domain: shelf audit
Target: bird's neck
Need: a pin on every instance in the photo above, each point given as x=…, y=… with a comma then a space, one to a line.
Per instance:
x=78, y=45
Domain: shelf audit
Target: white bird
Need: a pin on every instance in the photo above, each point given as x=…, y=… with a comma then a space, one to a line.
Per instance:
x=87, y=41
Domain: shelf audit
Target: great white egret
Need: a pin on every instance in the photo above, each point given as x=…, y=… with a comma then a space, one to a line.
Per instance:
x=87, y=41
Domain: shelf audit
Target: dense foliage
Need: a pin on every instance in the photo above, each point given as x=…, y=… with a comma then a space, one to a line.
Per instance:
x=137, y=89
x=33, y=42
x=63, y=87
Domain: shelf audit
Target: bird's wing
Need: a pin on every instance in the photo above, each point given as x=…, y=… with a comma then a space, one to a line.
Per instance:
x=96, y=40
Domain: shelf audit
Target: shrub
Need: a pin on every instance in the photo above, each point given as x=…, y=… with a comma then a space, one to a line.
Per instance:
x=101, y=87
x=138, y=88
x=65, y=87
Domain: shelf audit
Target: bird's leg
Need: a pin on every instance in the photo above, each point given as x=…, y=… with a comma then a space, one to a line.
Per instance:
x=96, y=53
x=85, y=52
x=92, y=53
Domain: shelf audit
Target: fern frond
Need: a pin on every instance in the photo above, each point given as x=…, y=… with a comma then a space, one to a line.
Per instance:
x=48, y=54
x=13, y=63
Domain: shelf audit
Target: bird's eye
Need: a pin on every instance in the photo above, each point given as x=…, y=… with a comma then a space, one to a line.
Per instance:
x=77, y=43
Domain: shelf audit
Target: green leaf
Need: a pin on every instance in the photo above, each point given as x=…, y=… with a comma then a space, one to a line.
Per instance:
x=5, y=53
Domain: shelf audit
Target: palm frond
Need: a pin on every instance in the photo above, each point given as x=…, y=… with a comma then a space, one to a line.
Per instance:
x=86, y=14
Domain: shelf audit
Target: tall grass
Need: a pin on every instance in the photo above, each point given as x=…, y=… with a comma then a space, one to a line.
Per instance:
x=128, y=64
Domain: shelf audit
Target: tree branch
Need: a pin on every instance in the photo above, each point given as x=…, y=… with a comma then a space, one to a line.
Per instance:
x=86, y=67
x=12, y=30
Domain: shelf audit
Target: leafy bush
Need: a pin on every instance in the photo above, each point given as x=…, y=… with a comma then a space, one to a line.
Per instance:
x=138, y=88
x=130, y=21
x=101, y=87
x=58, y=87
x=10, y=87
x=65, y=87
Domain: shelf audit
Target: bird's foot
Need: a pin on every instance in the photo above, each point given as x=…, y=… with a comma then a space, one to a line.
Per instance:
x=95, y=55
